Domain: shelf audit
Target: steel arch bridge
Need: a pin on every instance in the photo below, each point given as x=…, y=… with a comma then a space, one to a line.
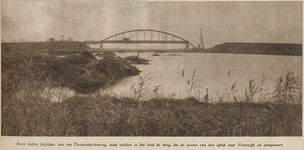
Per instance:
x=143, y=36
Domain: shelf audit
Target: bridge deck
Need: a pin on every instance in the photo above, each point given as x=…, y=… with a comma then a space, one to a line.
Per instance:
x=146, y=37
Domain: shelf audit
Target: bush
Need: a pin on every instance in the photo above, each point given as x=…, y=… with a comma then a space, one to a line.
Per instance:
x=115, y=68
x=87, y=55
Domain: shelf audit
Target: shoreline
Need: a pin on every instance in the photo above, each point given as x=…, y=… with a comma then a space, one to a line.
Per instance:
x=286, y=49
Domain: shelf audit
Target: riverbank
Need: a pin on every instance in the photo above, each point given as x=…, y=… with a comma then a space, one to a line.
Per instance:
x=66, y=47
x=257, y=49
x=109, y=116
x=82, y=73
x=227, y=48
x=42, y=47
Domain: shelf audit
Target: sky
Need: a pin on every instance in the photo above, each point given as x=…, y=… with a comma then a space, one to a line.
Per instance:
x=262, y=22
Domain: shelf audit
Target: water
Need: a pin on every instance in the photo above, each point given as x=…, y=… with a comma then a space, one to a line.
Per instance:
x=198, y=74
x=212, y=74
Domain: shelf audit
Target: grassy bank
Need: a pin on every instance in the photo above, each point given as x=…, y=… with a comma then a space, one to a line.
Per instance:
x=26, y=113
x=83, y=73
x=257, y=48
x=11, y=48
x=108, y=116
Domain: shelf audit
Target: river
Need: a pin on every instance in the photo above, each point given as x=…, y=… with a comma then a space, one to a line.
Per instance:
x=182, y=75
x=202, y=75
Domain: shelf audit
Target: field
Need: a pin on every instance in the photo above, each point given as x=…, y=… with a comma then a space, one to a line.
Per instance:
x=25, y=112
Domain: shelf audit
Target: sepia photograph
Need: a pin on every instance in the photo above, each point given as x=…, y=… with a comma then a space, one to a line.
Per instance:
x=151, y=69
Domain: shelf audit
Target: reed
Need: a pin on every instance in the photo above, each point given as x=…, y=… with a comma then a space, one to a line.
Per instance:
x=288, y=89
x=110, y=116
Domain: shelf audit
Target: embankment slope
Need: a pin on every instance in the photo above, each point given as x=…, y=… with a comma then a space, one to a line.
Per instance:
x=34, y=46
x=257, y=48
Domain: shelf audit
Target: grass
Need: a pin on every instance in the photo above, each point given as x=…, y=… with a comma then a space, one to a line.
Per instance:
x=78, y=73
x=25, y=112
x=11, y=48
x=109, y=116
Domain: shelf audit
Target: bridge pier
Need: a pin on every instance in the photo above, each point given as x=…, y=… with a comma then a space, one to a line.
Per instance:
x=187, y=47
x=101, y=46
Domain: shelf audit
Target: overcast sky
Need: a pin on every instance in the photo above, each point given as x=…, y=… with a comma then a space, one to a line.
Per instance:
x=274, y=22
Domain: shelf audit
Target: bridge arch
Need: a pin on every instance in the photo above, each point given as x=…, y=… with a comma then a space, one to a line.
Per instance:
x=182, y=40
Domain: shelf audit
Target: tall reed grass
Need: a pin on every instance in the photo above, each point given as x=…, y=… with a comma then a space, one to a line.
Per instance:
x=109, y=116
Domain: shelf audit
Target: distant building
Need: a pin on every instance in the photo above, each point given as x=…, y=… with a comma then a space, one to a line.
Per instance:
x=62, y=38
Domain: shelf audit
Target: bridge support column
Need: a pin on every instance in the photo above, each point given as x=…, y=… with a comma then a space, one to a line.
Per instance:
x=101, y=46
x=187, y=47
